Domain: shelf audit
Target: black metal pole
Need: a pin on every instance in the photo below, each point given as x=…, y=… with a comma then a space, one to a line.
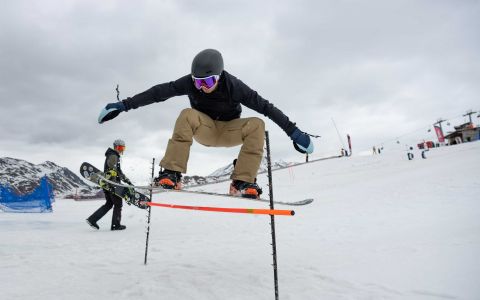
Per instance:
x=272, y=217
x=118, y=93
x=148, y=215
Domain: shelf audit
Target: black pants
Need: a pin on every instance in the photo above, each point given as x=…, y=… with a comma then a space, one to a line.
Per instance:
x=112, y=200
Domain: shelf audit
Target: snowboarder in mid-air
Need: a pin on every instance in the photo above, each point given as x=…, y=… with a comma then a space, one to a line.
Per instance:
x=114, y=173
x=213, y=120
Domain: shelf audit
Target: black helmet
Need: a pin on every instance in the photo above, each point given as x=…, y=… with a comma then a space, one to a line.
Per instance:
x=207, y=63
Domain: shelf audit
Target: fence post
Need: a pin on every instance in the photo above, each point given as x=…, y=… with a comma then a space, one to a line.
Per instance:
x=272, y=218
x=149, y=214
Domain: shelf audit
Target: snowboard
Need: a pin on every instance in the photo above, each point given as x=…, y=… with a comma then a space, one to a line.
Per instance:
x=129, y=194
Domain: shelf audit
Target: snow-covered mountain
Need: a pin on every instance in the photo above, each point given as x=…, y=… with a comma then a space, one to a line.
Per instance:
x=225, y=171
x=23, y=177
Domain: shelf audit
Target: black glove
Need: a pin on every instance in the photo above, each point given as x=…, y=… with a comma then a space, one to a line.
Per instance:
x=111, y=111
x=302, y=141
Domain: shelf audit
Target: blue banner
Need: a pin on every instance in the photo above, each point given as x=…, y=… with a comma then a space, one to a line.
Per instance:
x=38, y=201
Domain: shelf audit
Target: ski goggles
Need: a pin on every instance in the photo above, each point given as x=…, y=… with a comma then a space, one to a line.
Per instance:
x=207, y=82
x=120, y=148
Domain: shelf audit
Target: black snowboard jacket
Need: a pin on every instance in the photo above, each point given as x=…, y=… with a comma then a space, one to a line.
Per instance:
x=112, y=163
x=223, y=104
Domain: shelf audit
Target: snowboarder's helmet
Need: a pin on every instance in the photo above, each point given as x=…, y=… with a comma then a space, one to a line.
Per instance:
x=118, y=143
x=207, y=63
x=119, y=146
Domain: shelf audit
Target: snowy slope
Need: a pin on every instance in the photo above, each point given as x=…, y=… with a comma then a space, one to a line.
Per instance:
x=381, y=227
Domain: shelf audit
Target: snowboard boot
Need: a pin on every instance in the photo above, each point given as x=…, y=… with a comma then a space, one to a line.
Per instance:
x=94, y=225
x=118, y=227
x=245, y=189
x=169, y=180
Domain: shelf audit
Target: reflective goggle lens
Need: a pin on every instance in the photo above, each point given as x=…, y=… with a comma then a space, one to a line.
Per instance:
x=120, y=148
x=207, y=82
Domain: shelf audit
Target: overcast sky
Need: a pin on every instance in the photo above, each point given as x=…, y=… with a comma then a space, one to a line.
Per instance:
x=379, y=69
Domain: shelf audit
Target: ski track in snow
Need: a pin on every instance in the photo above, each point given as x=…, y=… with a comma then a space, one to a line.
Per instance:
x=381, y=227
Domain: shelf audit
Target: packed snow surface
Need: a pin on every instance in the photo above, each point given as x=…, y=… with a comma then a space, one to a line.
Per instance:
x=381, y=227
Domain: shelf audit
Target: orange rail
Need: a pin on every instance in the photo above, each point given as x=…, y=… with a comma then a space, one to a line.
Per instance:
x=277, y=212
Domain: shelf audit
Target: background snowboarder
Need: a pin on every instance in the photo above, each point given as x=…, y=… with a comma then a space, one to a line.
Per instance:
x=214, y=120
x=113, y=172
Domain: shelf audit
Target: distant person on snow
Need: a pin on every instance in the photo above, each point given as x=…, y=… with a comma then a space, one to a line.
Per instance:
x=214, y=120
x=113, y=172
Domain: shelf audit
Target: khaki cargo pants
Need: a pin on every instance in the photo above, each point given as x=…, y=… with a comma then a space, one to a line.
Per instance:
x=248, y=132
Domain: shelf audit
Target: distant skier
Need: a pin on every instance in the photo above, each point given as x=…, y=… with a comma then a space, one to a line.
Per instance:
x=113, y=172
x=214, y=120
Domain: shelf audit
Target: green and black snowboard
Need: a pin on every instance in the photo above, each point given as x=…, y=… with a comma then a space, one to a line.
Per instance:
x=126, y=193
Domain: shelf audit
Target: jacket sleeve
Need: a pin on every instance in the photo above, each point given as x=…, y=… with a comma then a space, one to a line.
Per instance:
x=160, y=93
x=251, y=99
x=112, y=163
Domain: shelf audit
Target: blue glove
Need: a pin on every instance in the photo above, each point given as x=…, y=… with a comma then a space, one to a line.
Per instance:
x=301, y=141
x=111, y=111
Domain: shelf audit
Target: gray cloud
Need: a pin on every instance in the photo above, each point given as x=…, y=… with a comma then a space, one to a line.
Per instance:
x=379, y=69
